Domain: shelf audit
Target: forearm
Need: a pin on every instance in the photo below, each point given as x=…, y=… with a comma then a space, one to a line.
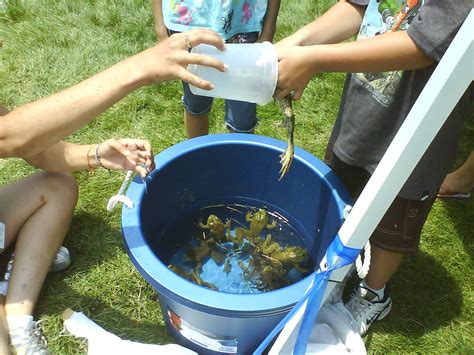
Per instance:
x=40, y=124
x=63, y=156
x=160, y=27
x=339, y=23
x=390, y=51
x=269, y=22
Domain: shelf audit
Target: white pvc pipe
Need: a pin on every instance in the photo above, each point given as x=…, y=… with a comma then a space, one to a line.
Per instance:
x=449, y=81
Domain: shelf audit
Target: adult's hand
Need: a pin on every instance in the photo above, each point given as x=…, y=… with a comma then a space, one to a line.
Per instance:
x=127, y=154
x=169, y=59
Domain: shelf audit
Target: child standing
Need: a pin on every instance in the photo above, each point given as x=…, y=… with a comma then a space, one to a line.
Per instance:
x=236, y=21
x=399, y=45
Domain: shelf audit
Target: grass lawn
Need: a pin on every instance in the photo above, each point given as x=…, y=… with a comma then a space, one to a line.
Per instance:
x=50, y=45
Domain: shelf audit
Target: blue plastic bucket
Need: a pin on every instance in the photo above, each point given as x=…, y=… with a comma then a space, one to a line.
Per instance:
x=218, y=169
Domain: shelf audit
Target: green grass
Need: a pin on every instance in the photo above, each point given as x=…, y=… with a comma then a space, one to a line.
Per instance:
x=50, y=45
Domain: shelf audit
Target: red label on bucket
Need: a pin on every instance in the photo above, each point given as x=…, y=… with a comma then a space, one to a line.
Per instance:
x=223, y=344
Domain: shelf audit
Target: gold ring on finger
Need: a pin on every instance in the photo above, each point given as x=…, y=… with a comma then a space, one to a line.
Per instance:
x=188, y=42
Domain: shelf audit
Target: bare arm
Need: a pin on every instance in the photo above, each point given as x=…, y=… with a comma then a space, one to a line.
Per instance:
x=33, y=127
x=114, y=154
x=389, y=51
x=269, y=22
x=64, y=156
x=339, y=23
x=160, y=28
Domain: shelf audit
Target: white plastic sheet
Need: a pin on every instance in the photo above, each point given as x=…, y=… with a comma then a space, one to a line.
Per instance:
x=100, y=341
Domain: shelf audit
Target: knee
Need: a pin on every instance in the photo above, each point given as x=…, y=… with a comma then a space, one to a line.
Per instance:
x=62, y=187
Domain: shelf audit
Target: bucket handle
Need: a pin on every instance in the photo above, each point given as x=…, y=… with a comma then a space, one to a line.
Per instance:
x=120, y=196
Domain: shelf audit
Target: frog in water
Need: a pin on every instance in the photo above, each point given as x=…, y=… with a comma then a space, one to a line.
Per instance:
x=219, y=231
x=200, y=252
x=290, y=255
x=258, y=221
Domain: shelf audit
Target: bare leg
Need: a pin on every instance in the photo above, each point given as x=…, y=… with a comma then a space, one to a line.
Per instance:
x=4, y=348
x=460, y=180
x=37, y=212
x=196, y=125
x=383, y=265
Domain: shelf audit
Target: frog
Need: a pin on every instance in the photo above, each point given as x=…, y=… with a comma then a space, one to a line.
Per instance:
x=218, y=230
x=258, y=221
x=218, y=256
x=227, y=266
x=290, y=255
x=268, y=247
x=200, y=252
x=286, y=158
x=196, y=278
x=272, y=277
x=180, y=271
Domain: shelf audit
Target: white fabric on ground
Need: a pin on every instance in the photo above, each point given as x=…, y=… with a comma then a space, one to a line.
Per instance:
x=102, y=342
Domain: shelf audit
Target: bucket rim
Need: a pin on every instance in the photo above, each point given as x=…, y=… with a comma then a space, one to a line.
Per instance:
x=167, y=282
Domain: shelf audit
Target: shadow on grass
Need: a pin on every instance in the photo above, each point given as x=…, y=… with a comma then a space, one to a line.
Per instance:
x=461, y=214
x=103, y=284
x=425, y=298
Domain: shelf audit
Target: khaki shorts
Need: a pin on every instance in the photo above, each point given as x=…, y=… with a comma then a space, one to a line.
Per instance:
x=400, y=227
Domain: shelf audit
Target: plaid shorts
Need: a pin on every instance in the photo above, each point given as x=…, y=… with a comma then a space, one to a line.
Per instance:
x=400, y=227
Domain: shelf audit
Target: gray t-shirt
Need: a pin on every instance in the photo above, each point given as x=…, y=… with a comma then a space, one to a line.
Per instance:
x=374, y=105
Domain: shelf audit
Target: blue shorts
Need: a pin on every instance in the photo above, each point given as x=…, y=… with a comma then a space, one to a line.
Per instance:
x=239, y=116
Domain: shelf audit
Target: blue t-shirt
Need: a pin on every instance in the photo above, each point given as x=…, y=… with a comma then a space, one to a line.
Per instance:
x=226, y=17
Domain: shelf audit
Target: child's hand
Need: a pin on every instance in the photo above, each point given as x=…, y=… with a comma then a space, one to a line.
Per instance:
x=127, y=154
x=294, y=71
x=169, y=59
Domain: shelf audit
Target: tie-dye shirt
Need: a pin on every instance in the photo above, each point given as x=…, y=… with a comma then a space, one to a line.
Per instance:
x=226, y=17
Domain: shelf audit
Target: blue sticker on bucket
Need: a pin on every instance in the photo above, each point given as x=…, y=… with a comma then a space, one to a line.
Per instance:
x=222, y=344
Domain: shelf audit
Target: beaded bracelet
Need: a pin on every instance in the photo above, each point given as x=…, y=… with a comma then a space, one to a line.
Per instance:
x=97, y=157
x=88, y=158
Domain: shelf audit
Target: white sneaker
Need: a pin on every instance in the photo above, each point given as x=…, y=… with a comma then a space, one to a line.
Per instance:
x=366, y=307
x=61, y=261
x=28, y=340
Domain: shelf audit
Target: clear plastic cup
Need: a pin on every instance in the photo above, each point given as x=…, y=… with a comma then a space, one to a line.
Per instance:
x=252, y=73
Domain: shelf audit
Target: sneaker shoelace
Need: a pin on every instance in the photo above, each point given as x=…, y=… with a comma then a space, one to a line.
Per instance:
x=359, y=306
x=31, y=340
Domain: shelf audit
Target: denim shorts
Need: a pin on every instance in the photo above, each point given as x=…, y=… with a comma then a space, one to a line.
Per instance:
x=239, y=116
x=400, y=228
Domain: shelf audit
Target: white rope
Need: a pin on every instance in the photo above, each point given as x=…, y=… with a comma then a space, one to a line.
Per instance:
x=120, y=197
x=363, y=268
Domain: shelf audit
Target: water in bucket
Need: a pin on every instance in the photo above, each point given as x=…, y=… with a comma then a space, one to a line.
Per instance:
x=237, y=248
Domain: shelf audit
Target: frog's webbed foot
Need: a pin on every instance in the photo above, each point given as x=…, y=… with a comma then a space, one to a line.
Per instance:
x=286, y=158
x=272, y=225
x=249, y=216
x=202, y=225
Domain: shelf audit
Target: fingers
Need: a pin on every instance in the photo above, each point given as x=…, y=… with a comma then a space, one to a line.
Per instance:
x=139, y=152
x=192, y=79
x=200, y=36
x=141, y=170
x=201, y=59
x=297, y=94
x=281, y=93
